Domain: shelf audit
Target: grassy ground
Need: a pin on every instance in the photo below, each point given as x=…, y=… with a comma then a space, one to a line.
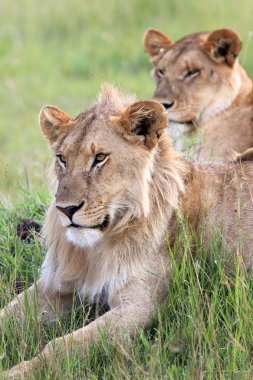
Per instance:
x=59, y=53
x=204, y=332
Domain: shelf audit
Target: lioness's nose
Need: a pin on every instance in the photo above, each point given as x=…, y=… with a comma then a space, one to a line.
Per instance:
x=70, y=210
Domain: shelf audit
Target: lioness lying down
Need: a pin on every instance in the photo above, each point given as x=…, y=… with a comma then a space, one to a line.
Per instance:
x=208, y=94
x=120, y=185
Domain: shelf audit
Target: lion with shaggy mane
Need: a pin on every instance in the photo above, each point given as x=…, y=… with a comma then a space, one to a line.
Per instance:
x=120, y=186
x=207, y=93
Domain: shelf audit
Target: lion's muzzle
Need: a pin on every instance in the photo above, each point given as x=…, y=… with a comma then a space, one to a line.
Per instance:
x=69, y=211
x=82, y=217
x=102, y=226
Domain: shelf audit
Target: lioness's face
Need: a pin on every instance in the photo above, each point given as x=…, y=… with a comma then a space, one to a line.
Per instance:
x=195, y=77
x=103, y=159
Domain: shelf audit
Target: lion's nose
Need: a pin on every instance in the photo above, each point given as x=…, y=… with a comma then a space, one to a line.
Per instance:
x=168, y=105
x=70, y=210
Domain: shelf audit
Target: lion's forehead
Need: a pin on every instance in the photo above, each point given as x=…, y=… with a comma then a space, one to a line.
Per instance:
x=98, y=138
x=84, y=129
x=95, y=128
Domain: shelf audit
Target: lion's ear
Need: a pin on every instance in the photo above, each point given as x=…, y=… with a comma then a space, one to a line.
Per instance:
x=146, y=120
x=223, y=46
x=155, y=42
x=54, y=122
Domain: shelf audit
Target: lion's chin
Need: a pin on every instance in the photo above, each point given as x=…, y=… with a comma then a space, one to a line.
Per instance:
x=84, y=237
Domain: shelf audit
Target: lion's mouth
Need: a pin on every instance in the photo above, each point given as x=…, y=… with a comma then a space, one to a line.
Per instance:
x=102, y=226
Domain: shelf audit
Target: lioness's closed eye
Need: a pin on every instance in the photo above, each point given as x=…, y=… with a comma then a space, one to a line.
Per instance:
x=120, y=185
x=205, y=90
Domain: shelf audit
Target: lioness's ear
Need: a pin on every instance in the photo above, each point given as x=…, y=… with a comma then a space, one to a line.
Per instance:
x=155, y=42
x=223, y=46
x=146, y=120
x=54, y=122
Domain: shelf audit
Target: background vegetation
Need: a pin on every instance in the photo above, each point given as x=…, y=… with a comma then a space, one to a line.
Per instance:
x=59, y=52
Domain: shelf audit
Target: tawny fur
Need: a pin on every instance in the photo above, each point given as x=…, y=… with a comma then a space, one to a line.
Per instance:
x=141, y=184
x=206, y=91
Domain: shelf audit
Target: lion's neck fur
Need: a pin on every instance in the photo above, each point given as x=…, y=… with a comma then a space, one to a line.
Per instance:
x=121, y=255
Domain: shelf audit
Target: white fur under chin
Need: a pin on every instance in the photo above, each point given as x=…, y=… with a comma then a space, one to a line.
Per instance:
x=85, y=237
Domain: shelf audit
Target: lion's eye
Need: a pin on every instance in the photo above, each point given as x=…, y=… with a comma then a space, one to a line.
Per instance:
x=160, y=73
x=192, y=73
x=61, y=159
x=100, y=157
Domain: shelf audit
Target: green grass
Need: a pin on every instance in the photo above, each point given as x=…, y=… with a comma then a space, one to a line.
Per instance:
x=59, y=53
x=205, y=331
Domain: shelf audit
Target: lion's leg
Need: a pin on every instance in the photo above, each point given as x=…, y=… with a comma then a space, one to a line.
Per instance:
x=46, y=305
x=116, y=322
x=119, y=321
x=17, y=305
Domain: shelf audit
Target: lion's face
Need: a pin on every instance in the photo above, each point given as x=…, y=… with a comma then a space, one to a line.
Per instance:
x=196, y=77
x=103, y=165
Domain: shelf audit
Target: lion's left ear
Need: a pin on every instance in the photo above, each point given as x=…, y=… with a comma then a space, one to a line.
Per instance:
x=54, y=123
x=223, y=46
x=146, y=120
